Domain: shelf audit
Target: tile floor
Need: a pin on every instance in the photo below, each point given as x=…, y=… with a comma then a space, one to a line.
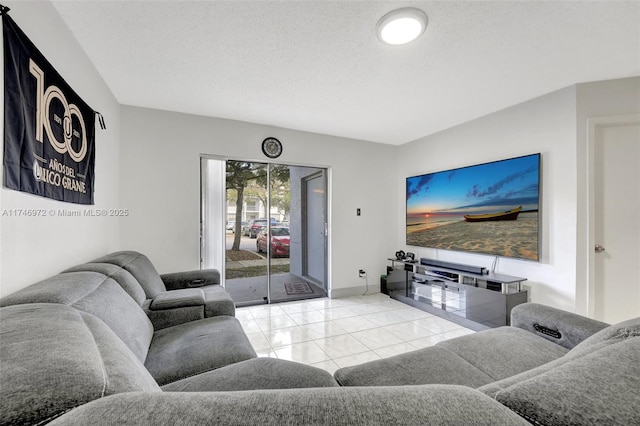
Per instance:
x=335, y=333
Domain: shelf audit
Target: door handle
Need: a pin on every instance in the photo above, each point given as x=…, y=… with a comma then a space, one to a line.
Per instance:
x=599, y=249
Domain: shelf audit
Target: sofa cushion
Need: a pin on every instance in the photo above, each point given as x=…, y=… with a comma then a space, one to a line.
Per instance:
x=196, y=347
x=55, y=358
x=96, y=294
x=406, y=405
x=472, y=360
x=503, y=352
x=121, y=276
x=432, y=365
x=600, y=387
x=138, y=265
x=257, y=373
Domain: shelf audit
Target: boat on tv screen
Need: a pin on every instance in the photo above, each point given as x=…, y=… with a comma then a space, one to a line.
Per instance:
x=490, y=208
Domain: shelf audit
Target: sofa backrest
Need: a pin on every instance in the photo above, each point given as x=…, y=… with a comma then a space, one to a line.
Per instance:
x=138, y=265
x=120, y=275
x=597, y=382
x=611, y=335
x=55, y=358
x=96, y=294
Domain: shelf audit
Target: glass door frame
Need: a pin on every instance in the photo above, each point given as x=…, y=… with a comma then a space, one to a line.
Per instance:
x=319, y=174
x=212, y=224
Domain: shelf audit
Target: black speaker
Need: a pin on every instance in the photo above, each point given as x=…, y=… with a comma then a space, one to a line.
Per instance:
x=383, y=284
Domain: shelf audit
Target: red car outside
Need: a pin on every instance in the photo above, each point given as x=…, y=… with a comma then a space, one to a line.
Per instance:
x=279, y=241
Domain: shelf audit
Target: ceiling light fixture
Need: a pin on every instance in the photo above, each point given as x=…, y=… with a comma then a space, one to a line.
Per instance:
x=401, y=26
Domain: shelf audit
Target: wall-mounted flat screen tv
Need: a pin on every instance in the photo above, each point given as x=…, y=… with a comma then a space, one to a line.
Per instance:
x=490, y=208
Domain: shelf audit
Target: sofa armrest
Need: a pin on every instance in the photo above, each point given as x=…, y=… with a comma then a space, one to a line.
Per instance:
x=375, y=405
x=175, y=307
x=178, y=299
x=190, y=279
x=564, y=328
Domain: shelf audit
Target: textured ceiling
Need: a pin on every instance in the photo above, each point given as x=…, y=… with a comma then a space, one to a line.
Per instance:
x=317, y=66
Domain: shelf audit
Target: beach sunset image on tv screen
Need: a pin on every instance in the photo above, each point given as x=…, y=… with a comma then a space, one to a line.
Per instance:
x=490, y=208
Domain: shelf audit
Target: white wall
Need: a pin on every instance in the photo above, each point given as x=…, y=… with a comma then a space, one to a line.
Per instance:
x=160, y=185
x=33, y=248
x=154, y=172
x=545, y=125
x=596, y=99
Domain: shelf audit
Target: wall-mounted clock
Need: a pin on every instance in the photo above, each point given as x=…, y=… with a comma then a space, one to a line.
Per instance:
x=271, y=147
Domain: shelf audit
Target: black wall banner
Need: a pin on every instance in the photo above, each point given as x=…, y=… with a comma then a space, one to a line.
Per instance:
x=49, y=131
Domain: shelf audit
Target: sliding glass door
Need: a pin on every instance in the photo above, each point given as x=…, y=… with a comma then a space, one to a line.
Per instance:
x=273, y=230
x=247, y=199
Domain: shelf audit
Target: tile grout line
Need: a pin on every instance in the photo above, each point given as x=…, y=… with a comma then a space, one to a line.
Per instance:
x=377, y=307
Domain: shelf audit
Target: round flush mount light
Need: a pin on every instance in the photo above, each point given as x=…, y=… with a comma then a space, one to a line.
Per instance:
x=401, y=26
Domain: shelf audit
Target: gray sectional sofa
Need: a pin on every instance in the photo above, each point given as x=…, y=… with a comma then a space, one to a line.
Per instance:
x=113, y=342
x=550, y=366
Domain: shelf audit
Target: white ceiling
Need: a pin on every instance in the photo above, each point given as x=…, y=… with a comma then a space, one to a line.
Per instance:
x=317, y=66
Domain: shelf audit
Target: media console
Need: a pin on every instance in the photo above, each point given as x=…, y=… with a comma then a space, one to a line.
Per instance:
x=467, y=295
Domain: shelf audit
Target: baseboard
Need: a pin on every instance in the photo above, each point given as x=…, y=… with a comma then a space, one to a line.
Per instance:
x=352, y=291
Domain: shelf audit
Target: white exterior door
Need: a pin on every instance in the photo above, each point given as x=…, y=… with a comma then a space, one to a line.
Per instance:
x=315, y=228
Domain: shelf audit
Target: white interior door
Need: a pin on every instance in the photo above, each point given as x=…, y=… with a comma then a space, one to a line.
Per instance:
x=615, y=220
